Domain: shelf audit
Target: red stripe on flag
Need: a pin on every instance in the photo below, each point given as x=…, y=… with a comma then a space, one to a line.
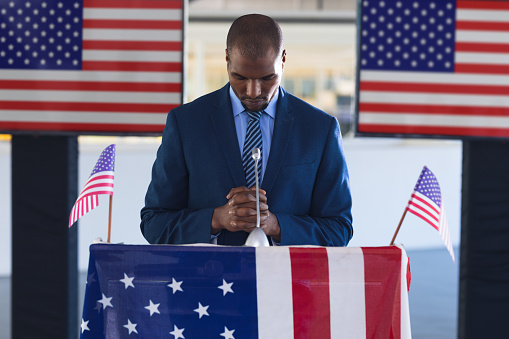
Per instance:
x=481, y=68
x=141, y=4
x=382, y=276
x=433, y=88
x=420, y=215
x=101, y=177
x=98, y=185
x=86, y=106
x=414, y=197
x=132, y=45
x=482, y=26
x=91, y=86
x=132, y=24
x=496, y=5
x=76, y=127
x=432, y=109
x=310, y=289
x=480, y=46
x=131, y=66
x=433, y=130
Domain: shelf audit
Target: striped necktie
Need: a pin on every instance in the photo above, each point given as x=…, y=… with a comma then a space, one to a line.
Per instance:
x=253, y=139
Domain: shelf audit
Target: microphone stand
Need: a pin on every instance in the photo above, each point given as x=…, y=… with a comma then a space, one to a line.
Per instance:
x=257, y=237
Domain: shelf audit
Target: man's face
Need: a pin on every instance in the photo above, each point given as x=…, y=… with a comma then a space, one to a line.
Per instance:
x=255, y=82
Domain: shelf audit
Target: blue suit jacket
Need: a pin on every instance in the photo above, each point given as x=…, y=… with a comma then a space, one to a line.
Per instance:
x=199, y=162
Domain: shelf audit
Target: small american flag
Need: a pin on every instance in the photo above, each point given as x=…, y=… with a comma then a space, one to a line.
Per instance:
x=99, y=182
x=108, y=66
x=426, y=203
x=434, y=68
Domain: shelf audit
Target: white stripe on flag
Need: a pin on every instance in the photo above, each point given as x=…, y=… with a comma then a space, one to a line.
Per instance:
x=481, y=15
x=435, y=78
x=444, y=231
x=132, y=34
x=406, y=331
x=91, y=96
x=30, y=75
x=146, y=56
x=84, y=117
x=346, y=283
x=445, y=120
x=484, y=37
x=132, y=14
x=396, y=97
x=471, y=57
x=274, y=288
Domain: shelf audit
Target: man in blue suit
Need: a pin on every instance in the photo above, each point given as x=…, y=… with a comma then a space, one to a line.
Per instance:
x=198, y=191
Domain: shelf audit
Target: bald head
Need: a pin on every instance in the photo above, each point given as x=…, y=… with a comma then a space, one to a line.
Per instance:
x=253, y=34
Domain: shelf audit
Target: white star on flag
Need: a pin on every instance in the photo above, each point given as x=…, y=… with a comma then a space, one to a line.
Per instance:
x=153, y=308
x=177, y=332
x=227, y=334
x=105, y=301
x=226, y=287
x=127, y=281
x=131, y=327
x=175, y=285
x=84, y=325
x=202, y=310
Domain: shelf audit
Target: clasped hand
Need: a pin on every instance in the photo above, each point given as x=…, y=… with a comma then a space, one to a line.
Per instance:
x=239, y=213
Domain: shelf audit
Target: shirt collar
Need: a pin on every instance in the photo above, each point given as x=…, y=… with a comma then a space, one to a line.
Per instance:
x=238, y=108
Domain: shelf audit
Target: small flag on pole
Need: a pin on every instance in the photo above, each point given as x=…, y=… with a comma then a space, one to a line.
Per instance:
x=426, y=203
x=99, y=182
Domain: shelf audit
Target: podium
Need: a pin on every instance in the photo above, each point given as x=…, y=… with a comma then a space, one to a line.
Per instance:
x=203, y=291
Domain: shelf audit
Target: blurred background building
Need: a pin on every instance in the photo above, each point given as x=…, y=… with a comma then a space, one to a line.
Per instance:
x=319, y=40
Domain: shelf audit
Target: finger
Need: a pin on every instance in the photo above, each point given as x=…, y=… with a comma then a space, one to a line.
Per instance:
x=236, y=190
x=242, y=212
x=253, y=188
x=239, y=225
x=242, y=197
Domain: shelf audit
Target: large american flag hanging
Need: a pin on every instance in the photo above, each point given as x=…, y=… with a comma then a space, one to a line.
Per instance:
x=426, y=203
x=108, y=66
x=243, y=292
x=100, y=182
x=434, y=68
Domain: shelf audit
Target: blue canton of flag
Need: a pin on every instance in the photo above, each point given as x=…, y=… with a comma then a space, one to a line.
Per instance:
x=428, y=186
x=106, y=161
x=180, y=294
x=38, y=34
x=408, y=35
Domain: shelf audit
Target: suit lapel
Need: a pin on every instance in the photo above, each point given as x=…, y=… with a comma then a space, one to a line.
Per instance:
x=280, y=139
x=221, y=117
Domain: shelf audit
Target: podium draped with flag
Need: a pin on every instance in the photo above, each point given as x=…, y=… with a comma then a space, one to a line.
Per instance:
x=165, y=291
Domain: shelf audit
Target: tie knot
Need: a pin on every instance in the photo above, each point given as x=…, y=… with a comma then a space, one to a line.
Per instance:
x=254, y=115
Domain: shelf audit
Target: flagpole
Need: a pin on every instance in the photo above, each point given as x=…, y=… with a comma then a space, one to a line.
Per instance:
x=109, y=219
x=399, y=226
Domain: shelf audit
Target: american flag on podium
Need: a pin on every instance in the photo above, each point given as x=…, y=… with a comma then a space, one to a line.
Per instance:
x=100, y=182
x=90, y=65
x=433, y=68
x=229, y=292
x=426, y=203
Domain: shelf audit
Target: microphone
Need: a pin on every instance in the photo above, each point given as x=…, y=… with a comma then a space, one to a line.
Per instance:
x=256, y=156
x=257, y=237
